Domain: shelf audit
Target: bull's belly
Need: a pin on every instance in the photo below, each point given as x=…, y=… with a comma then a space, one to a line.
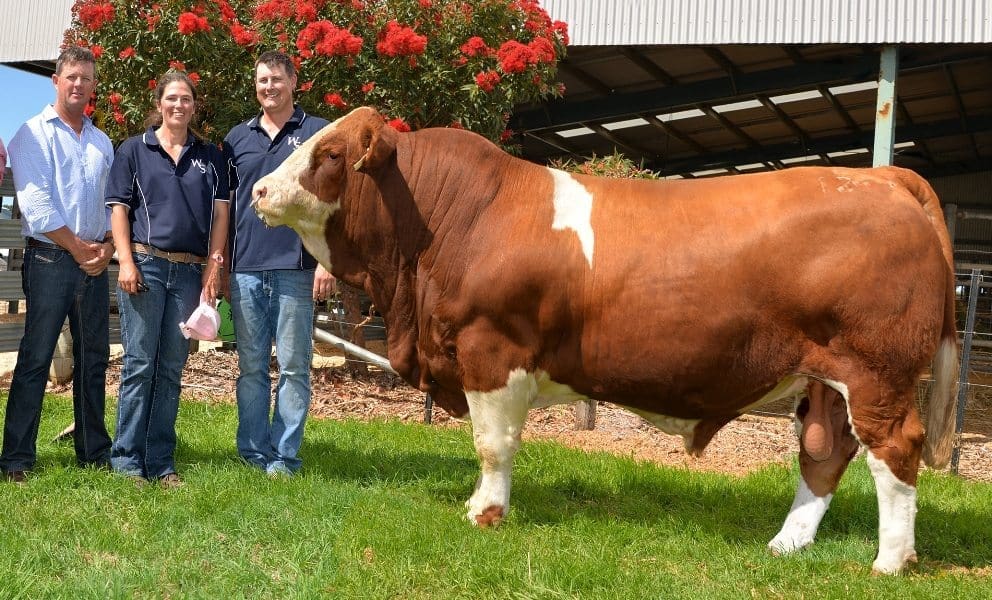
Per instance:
x=549, y=392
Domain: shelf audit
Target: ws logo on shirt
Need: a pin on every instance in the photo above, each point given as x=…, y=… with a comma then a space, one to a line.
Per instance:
x=294, y=141
x=199, y=164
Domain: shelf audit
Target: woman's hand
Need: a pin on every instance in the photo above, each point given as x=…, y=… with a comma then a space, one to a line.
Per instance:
x=129, y=278
x=213, y=273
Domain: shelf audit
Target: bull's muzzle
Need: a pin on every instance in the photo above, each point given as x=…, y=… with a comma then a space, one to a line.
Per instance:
x=260, y=201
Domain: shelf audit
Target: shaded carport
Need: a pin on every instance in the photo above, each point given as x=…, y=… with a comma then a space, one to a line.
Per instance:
x=702, y=110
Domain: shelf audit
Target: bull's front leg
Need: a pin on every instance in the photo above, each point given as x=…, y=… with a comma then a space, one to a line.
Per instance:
x=497, y=420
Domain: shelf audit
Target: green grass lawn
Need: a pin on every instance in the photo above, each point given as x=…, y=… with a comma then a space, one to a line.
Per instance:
x=378, y=513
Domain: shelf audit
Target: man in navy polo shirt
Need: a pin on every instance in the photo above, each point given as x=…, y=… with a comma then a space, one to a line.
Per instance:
x=274, y=281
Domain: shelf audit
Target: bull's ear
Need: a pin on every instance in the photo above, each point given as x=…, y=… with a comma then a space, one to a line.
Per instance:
x=379, y=141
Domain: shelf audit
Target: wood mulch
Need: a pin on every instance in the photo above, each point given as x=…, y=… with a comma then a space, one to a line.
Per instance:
x=744, y=445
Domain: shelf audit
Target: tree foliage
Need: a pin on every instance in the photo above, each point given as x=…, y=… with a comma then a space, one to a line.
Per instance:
x=458, y=63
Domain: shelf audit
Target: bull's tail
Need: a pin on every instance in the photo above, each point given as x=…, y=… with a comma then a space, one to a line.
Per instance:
x=940, y=415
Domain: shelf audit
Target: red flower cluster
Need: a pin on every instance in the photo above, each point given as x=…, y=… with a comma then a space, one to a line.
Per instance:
x=327, y=39
x=127, y=52
x=475, y=46
x=400, y=40
x=336, y=100
x=515, y=57
x=178, y=65
x=487, y=80
x=282, y=10
x=189, y=23
x=244, y=36
x=399, y=125
x=152, y=20
x=96, y=14
x=368, y=87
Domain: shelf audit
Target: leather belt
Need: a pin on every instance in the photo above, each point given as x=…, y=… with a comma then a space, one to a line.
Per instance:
x=33, y=243
x=176, y=257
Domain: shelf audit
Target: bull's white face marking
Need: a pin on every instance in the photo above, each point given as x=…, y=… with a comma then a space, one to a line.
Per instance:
x=573, y=210
x=286, y=202
x=799, y=528
x=896, y=518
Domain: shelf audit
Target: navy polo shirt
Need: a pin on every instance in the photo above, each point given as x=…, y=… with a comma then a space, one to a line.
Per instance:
x=251, y=155
x=171, y=205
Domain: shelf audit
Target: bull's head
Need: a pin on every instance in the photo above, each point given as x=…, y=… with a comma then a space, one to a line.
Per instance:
x=310, y=185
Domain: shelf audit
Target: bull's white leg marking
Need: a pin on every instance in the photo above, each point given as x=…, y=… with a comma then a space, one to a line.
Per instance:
x=896, y=518
x=573, y=210
x=497, y=420
x=799, y=528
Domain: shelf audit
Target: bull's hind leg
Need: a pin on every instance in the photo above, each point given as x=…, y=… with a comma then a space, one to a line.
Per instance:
x=819, y=475
x=891, y=430
x=497, y=421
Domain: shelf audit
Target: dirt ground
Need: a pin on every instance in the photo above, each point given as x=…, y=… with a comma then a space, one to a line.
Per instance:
x=742, y=446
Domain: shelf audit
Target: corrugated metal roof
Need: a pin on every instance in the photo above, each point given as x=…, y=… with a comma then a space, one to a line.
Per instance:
x=638, y=22
x=31, y=31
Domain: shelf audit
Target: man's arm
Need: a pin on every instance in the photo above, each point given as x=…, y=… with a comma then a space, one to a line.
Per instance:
x=92, y=257
x=34, y=174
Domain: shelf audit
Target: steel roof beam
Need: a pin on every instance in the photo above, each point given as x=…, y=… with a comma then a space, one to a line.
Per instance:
x=916, y=132
x=561, y=113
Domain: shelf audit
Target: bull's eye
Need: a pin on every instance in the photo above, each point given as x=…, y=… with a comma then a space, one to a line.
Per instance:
x=333, y=155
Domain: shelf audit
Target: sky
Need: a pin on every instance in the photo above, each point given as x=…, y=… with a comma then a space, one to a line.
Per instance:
x=24, y=95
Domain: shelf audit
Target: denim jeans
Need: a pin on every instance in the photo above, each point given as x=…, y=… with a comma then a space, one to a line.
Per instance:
x=155, y=352
x=56, y=288
x=267, y=305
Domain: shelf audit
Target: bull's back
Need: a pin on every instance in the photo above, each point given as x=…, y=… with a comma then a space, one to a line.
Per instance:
x=714, y=287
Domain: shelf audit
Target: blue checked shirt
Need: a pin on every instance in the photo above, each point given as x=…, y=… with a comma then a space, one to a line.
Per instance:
x=60, y=176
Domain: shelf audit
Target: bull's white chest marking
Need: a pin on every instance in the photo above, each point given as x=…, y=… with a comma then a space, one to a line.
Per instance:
x=311, y=230
x=573, y=210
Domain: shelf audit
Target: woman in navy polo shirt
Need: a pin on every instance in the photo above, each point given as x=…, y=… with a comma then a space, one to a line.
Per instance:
x=168, y=195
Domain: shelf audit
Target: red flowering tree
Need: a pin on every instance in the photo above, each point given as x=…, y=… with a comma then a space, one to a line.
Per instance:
x=461, y=63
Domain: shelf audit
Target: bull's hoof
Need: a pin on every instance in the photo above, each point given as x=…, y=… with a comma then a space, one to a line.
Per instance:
x=892, y=567
x=782, y=545
x=492, y=516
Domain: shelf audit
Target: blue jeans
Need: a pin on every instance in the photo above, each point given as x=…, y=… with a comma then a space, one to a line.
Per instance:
x=155, y=352
x=267, y=305
x=56, y=288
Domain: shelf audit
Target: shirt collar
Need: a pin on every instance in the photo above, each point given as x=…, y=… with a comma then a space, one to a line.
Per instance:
x=295, y=119
x=48, y=113
x=151, y=139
